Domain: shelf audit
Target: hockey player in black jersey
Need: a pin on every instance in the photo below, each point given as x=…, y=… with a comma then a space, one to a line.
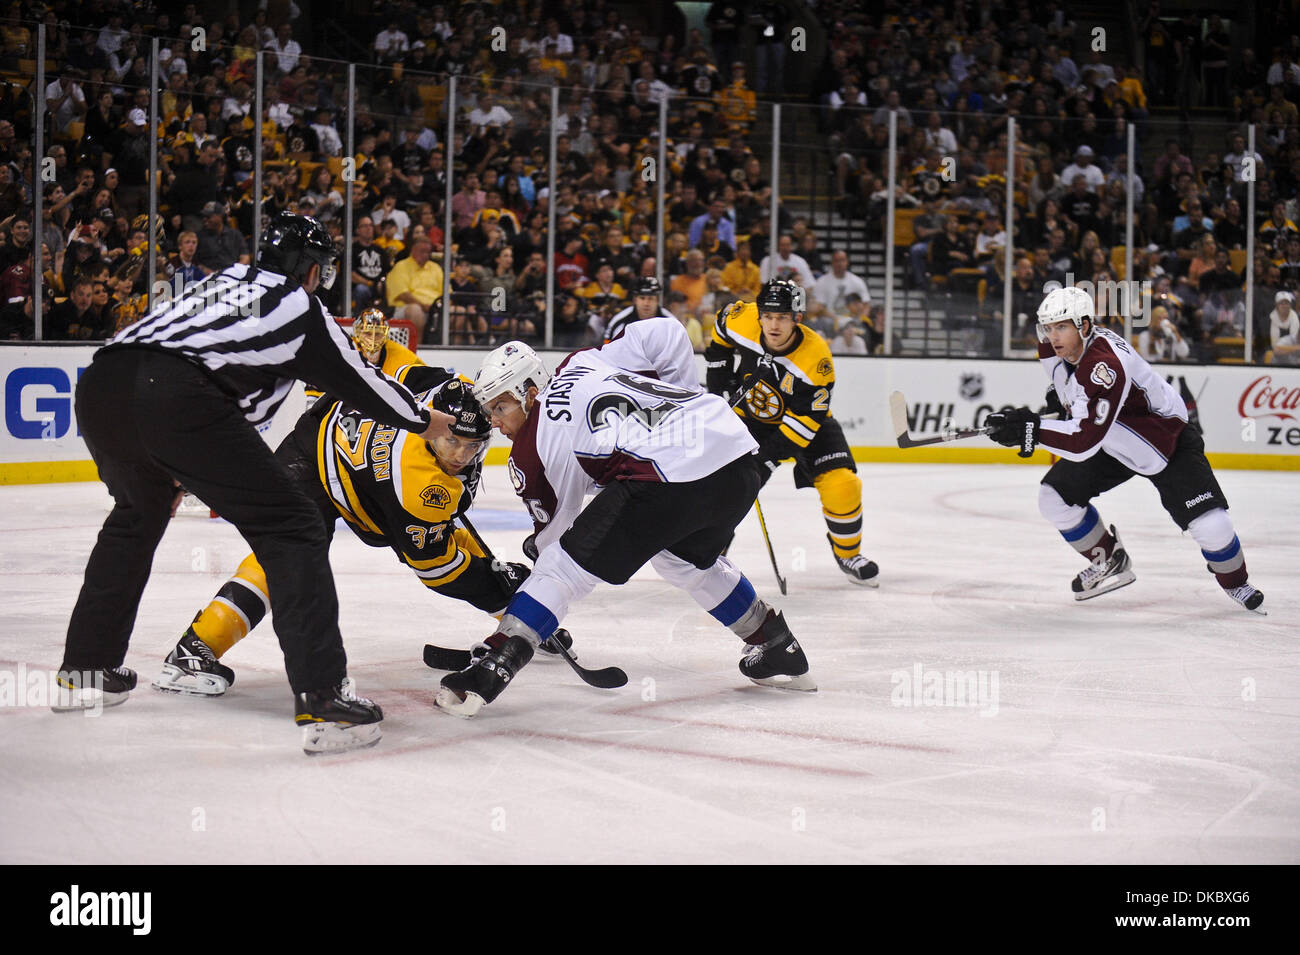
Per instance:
x=780, y=374
x=393, y=490
x=646, y=295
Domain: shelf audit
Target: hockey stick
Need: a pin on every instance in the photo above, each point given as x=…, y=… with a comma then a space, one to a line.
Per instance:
x=780, y=581
x=898, y=414
x=746, y=386
x=608, y=678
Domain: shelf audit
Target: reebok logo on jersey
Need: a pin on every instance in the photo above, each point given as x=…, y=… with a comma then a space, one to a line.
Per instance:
x=1198, y=499
x=1102, y=375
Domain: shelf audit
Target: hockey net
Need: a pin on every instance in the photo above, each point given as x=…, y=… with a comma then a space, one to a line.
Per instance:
x=403, y=332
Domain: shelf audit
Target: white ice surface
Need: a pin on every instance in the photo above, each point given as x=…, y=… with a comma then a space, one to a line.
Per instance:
x=1155, y=724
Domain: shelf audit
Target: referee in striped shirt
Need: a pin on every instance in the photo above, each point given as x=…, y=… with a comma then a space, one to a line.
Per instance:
x=175, y=399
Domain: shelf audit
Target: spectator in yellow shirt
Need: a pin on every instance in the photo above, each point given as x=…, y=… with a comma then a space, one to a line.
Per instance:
x=389, y=241
x=737, y=104
x=1130, y=88
x=415, y=284
x=604, y=292
x=692, y=283
x=741, y=274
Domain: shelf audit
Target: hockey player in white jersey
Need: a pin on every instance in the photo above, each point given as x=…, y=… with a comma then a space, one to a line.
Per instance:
x=1119, y=418
x=673, y=472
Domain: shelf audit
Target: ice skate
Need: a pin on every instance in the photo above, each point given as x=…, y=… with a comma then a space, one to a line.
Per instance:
x=93, y=689
x=463, y=694
x=1248, y=597
x=192, y=669
x=778, y=660
x=1111, y=574
x=861, y=571
x=336, y=719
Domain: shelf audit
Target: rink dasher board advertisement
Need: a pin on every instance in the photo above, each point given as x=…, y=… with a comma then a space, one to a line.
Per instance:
x=1250, y=415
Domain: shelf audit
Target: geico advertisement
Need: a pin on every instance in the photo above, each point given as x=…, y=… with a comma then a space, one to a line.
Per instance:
x=40, y=422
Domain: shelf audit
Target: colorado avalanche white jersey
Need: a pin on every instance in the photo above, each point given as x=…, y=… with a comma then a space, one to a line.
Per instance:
x=631, y=410
x=1116, y=403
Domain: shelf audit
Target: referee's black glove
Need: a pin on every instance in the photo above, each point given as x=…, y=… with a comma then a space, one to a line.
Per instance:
x=1015, y=428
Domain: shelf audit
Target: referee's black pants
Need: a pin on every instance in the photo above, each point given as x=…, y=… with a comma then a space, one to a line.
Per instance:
x=149, y=417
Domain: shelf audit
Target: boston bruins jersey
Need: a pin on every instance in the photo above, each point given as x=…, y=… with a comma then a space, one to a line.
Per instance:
x=394, y=361
x=790, y=396
x=389, y=488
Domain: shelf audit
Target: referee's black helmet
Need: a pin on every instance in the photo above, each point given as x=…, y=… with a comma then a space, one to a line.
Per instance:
x=292, y=244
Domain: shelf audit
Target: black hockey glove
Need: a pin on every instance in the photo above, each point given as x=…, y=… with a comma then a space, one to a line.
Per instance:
x=1015, y=428
x=510, y=577
x=1052, y=403
x=530, y=547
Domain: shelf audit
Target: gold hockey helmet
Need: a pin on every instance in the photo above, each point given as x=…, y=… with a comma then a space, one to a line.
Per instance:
x=370, y=331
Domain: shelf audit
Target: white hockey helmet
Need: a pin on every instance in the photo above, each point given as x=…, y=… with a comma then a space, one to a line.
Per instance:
x=1066, y=304
x=511, y=369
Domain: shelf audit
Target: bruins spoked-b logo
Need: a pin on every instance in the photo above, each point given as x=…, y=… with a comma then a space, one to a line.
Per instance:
x=764, y=403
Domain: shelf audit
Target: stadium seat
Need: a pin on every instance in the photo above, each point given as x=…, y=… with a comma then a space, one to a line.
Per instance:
x=904, y=232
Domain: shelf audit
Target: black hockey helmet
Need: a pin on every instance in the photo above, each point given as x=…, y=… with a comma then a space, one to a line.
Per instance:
x=292, y=244
x=648, y=286
x=471, y=432
x=781, y=295
x=457, y=399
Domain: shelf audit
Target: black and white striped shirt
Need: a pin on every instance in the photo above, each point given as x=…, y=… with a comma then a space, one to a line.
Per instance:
x=254, y=332
x=620, y=320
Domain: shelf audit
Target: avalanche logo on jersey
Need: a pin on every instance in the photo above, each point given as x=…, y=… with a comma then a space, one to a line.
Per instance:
x=435, y=496
x=516, y=476
x=1102, y=375
x=764, y=402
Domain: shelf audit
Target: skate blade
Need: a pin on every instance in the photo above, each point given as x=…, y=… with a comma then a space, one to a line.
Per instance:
x=450, y=702
x=173, y=679
x=321, y=738
x=873, y=582
x=803, y=682
x=74, y=701
x=1115, y=583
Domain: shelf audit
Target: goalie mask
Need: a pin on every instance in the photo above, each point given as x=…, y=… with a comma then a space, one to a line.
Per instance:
x=463, y=451
x=369, y=333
